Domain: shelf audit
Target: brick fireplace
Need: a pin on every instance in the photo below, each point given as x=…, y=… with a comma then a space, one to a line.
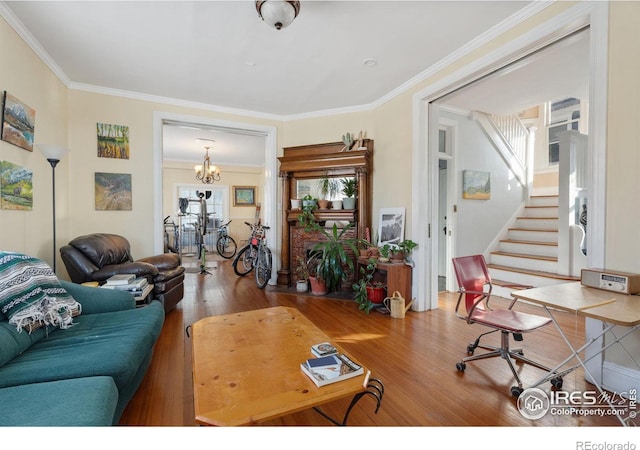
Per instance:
x=303, y=241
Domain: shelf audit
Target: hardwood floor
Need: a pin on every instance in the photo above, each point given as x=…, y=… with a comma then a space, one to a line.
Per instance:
x=415, y=357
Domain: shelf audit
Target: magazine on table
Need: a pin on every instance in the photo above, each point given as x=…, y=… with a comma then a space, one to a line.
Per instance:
x=331, y=369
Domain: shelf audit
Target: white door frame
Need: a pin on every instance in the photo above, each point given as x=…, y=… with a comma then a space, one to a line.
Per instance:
x=592, y=14
x=270, y=207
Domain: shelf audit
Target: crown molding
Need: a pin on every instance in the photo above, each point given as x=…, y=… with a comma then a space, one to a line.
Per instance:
x=512, y=21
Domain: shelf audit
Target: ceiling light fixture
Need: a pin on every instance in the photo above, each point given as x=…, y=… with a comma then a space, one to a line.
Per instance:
x=278, y=13
x=207, y=173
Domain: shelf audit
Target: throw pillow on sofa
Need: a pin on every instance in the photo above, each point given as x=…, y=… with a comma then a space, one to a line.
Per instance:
x=31, y=295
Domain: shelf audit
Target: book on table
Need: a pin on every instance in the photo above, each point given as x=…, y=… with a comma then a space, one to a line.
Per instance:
x=119, y=279
x=323, y=349
x=135, y=285
x=331, y=369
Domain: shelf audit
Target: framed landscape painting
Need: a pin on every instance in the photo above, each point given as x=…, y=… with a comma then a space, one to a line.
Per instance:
x=476, y=185
x=18, y=122
x=113, y=141
x=244, y=196
x=16, y=187
x=113, y=191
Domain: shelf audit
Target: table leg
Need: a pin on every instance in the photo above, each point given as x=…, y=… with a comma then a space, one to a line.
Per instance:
x=554, y=374
x=375, y=388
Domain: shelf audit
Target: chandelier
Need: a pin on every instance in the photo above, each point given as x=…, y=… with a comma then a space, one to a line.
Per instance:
x=278, y=13
x=205, y=172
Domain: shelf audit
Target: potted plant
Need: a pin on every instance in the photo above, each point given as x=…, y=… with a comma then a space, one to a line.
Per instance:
x=308, y=201
x=334, y=263
x=318, y=285
x=407, y=247
x=302, y=275
x=385, y=251
x=329, y=188
x=307, y=218
x=349, y=188
x=368, y=293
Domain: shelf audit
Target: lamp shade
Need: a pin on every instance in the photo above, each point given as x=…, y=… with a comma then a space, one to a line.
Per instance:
x=53, y=151
x=278, y=13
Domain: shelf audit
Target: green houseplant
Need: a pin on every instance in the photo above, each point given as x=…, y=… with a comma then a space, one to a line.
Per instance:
x=349, y=189
x=302, y=275
x=407, y=247
x=366, y=289
x=334, y=264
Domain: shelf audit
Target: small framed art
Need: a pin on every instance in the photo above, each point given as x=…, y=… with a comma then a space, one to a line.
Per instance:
x=244, y=196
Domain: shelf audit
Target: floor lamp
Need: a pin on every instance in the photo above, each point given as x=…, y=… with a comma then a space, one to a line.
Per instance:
x=53, y=153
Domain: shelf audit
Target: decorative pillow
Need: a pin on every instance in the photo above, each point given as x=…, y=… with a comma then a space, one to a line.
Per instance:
x=31, y=295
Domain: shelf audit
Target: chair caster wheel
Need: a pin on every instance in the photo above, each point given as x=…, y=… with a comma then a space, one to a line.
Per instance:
x=470, y=349
x=556, y=382
x=516, y=391
x=461, y=366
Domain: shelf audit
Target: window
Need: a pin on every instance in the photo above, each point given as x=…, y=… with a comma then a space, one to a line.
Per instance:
x=562, y=115
x=217, y=209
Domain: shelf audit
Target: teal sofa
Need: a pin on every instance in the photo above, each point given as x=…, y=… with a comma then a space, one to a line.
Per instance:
x=84, y=375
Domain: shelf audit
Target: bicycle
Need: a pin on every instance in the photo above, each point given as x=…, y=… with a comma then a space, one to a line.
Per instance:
x=226, y=245
x=256, y=255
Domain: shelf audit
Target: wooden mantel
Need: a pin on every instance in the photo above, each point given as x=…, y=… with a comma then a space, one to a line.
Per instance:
x=313, y=162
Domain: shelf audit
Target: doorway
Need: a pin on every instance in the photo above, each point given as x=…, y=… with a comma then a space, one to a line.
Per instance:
x=427, y=117
x=446, y=196
x=269, y=208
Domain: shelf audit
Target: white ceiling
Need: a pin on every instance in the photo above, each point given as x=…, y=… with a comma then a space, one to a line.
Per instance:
x=220, y=55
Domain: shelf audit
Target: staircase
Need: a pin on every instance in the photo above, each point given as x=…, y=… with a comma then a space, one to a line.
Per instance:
x=528, y=256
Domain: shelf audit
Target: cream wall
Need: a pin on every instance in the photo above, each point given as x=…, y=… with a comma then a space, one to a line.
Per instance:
x=390, y=125
x=623, y=139
x=87, y=109
x=26, y=77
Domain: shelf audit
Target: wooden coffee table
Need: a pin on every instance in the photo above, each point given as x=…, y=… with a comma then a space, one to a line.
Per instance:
x=246, y=368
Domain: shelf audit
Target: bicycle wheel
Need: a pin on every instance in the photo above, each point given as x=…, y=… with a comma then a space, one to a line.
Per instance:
x=263, y=267
x=226, y=247
x=243, y=263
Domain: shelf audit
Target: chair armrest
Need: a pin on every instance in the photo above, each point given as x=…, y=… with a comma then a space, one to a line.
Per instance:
x=137, y=268
x=165, y=261
x=97, y=300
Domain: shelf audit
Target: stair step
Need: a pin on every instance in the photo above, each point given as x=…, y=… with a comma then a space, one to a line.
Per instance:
x=524, y=261
x=510, y=285
x=544, y=200
x=534, y=234
x=546, y=223
x=541, y=211
x=529, y=247
x=535, y=273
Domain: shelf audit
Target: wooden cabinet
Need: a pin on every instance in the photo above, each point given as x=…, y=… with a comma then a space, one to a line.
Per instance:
x=397, y=277
x=305, y=164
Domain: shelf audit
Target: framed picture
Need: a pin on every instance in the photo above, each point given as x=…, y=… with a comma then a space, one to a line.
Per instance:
x=113, y=141
x=113, y=191
x=244, y=196
x=16, y=187
x=18, y=122
x=391, y=226
x=476, y=185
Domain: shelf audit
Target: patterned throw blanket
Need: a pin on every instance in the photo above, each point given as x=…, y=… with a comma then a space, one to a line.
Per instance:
x=31, y=295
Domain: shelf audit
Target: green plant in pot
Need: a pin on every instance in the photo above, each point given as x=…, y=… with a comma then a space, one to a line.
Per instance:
x=365, y=288
x=407, y=247
x=334, y=263
x=329, y=188
x=302, y=275
x=349, y=189
x=384, y=251
x=307, y=218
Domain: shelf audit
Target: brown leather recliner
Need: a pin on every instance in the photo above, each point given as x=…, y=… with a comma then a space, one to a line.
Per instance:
x=98, y=256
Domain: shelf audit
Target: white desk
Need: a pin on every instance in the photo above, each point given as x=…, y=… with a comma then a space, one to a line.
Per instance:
x=612, y=308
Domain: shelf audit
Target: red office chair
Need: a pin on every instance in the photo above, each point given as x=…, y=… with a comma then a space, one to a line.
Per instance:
x=475, y=287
